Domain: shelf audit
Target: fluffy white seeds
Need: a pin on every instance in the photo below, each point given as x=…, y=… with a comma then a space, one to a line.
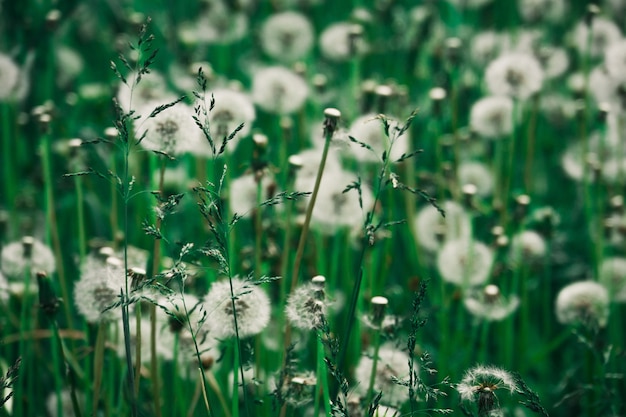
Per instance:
x=392, y=362
x=368, y=129
x=252, y=307
x=27, y=254
x=279, y=90
x=516, y=74
x=9, y=77
x=613, y=277
x=306, y=307
x=465, y=262
x=492, y=117
x=338, y=43
x=583, y=302
x=432, y=229
x=287, y=36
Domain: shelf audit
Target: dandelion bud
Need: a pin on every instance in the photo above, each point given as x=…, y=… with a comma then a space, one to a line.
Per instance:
x=295, y=162
x=320, y=82
x=492, y=293
x=332, y=116
x=44, y=121
x=437, y=95
x=367, y=95
x=384, y=94
x=137, y=275
x=110, y=133
x=48, y=300
x=355, y=33
x=522, y=202
x=52, y=19
x=453, y=49
x=502, y=241
x=497, y=231
x=617, y=203
x=27, y=245
x=379, y=305
x=469, y=191
x=592, y=11
x=603, y=111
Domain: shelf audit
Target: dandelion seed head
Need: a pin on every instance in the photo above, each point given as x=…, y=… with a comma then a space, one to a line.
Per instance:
x=537, y=11
x=252, y=307
x=98, y=288
x=604, y=32
x=28, y=253
x=514, y=74
x=485, y=379
x=287, y=36
x=392, y=363
x=612, y=275
x=9, y=77
x=279, y=90
x=67, y=408
x=477, y=174
x=527, y=246
x=152, y=88
x=431, y=228
x=583, y=302
x=306, y=307
x=492, y=117
x=171, y=131
x=489, y=304
x=243, y=195
x=615, y=60
x=219, y=23
x=465, y=262
x=338, y=43
x=368, y=129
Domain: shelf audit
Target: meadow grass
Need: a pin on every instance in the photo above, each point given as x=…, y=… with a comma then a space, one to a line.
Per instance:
x=295, y=208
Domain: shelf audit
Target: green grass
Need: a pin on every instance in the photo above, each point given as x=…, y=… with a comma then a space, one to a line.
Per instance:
x=110, y=191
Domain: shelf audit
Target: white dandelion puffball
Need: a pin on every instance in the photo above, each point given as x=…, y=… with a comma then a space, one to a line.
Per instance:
x=151, y=88
x=243, y=195
x=99, y=288
x=171, y=131
x=432, y=229
x=492, y=117
x=477, y=174
x=583, y=302
x=9, y=77
x=306, y=307
x=338, y=42
x=279, y=90
x=615, y=60
x=465, y=262
x=542, y=10
x=517, y=74
x=252, y=307
x=604, y=32
x=369, y=130
x=287, y=36
x=333, y=208
x=392, y=363
x=27, y=254
x=488, y=304
x=612, y=274
x=483, y=379
x=232, y=108
x=527, y=246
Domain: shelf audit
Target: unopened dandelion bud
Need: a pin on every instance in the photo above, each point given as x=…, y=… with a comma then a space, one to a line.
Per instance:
x=354, y=35
x=497, y=231
x=27, y=244
x=260, y=140
x=592, y=11
x=53, y=17
x=295, y=162
x=453, y=49
x=603, y=111
x=137, y=276
x=286, y=127
x=617, y=203
x=110, y=133
x=521, y=205
x=437, y=95
x=320, y=82
x=4, y=222
x=492, y=293
x=332, y=117
x=44, y=121
x=137, y=19
x=105, y=252
x=384, y=93
x=48, y=301
x=319, y=282
x=502, y=241
x=300, y=68
x=367, y=95
x=74, y=147
x=379, y=304
x=469, y=192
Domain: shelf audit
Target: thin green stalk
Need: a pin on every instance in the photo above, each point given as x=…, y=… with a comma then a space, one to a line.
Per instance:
x=530, y=146
x=98, y=366
x=80, y=214
x=52, y=225
x=8, y=157
x=370, y=386
x=322, y=379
